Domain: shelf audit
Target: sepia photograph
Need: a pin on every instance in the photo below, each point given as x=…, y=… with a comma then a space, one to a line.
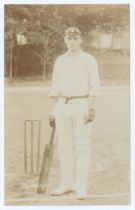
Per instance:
x=67, y=104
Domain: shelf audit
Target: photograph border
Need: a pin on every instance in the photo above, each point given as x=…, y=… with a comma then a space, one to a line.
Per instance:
x=132, y=99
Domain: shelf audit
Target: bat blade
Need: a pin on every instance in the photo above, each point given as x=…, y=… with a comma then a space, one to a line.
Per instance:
x=46, y=165
x=42, y=182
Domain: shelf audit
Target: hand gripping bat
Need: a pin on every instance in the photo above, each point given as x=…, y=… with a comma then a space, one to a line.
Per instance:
x=46, y=164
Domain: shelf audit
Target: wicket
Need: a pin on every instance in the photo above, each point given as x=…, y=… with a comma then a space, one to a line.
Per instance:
x=31, y=124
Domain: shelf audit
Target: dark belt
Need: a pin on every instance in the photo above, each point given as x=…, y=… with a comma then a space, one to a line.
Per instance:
x=67, y=99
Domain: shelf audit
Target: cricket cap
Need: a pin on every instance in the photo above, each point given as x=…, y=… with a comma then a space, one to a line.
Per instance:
x=72, y=31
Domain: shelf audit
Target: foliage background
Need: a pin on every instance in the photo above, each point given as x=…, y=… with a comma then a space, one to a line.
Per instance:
x=44, y=27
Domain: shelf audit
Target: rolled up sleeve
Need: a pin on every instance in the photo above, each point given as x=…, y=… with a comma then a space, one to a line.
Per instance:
x=94, y=80
x=55, y=80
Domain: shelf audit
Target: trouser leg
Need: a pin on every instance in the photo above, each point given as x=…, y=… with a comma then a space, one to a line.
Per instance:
x=82, y=164
x=83, y=135
x=65, y=145
x=66, y=159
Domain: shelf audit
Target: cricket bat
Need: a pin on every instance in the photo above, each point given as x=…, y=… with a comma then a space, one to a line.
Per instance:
x=46, y=164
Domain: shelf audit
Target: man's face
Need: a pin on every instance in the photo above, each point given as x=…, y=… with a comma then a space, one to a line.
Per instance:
x=73, y=42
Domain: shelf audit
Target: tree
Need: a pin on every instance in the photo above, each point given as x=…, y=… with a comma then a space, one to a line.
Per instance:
x=44, y=25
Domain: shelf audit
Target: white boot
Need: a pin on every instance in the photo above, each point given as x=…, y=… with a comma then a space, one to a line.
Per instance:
x=61, y=190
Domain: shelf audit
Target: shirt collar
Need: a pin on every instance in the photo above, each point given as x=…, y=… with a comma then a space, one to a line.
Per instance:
x=79, y=53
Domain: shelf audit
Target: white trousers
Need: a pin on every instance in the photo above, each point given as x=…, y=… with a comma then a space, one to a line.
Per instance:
x=73, y=143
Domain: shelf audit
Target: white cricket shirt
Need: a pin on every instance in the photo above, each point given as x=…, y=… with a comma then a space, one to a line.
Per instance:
x=75, y=76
